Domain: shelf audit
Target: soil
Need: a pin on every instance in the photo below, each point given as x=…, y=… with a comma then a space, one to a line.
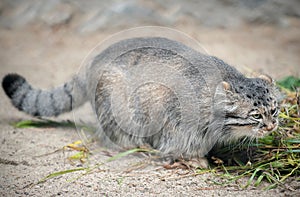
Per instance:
x=47, y=57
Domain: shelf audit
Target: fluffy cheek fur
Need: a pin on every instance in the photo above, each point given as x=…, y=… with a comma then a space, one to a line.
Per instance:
x=253, y=131
x=239, y=132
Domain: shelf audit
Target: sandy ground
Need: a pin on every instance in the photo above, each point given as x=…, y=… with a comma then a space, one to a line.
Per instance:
x=49, y=57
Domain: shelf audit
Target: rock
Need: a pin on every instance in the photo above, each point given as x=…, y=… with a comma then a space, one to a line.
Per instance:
x=125, y=13
x=93, y=15
x=58, y=15
x=18, y=14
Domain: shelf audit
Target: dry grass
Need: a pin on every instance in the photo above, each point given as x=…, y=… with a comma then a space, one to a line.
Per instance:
x=274, y=158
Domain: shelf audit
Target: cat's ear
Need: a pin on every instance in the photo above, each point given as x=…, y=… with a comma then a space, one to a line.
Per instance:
x=226, y=86
x=266, y=78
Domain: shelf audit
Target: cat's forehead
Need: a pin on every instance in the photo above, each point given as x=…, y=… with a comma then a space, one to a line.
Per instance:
x=258, y=92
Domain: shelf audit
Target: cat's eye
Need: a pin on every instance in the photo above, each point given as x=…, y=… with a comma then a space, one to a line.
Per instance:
x=256, y=116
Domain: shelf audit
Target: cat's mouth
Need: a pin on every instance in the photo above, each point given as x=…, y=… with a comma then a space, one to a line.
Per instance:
x=261, y=132
x=253, y=130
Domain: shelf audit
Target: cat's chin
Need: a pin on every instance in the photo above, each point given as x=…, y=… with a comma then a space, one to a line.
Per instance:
x=262, y=133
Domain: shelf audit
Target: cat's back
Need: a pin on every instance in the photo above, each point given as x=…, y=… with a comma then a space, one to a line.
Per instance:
x=139, y=44
x=155, y=56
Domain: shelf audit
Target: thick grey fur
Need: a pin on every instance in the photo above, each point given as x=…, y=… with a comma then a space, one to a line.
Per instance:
x=161, y=93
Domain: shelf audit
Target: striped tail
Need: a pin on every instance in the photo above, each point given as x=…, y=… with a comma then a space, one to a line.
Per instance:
x=38, y=102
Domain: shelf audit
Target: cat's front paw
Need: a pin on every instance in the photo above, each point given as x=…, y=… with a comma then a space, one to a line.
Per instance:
x=201, y=163
x=198, y=163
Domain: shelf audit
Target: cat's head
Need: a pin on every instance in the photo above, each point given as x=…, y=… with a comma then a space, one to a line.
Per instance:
x=251, y=108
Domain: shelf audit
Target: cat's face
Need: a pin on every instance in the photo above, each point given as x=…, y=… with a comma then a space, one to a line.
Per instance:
x=253, y=109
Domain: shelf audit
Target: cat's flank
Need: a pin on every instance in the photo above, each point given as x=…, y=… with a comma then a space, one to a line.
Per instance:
x=158, y=92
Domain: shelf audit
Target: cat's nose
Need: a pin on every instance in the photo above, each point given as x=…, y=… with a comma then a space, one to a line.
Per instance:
x=270, y=127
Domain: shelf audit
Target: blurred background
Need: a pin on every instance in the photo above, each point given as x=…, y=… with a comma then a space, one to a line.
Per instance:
x=46, y=41
x=54, y=36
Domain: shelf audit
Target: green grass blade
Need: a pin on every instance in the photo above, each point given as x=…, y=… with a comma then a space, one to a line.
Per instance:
x=289, y=82
x=60, y=173
x=43, y=123
x=252, y=178
x=259, y=180
x=128, y=152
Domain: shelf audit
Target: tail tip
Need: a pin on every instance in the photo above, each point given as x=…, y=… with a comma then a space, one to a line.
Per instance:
x=11, y=82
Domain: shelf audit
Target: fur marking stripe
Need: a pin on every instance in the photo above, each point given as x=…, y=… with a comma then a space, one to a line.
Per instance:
x=56, y=112
x=20, y=103
x=37, y=113
x=69, y=95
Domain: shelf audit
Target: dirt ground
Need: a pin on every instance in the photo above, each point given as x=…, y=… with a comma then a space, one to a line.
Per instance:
x=49, y=57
